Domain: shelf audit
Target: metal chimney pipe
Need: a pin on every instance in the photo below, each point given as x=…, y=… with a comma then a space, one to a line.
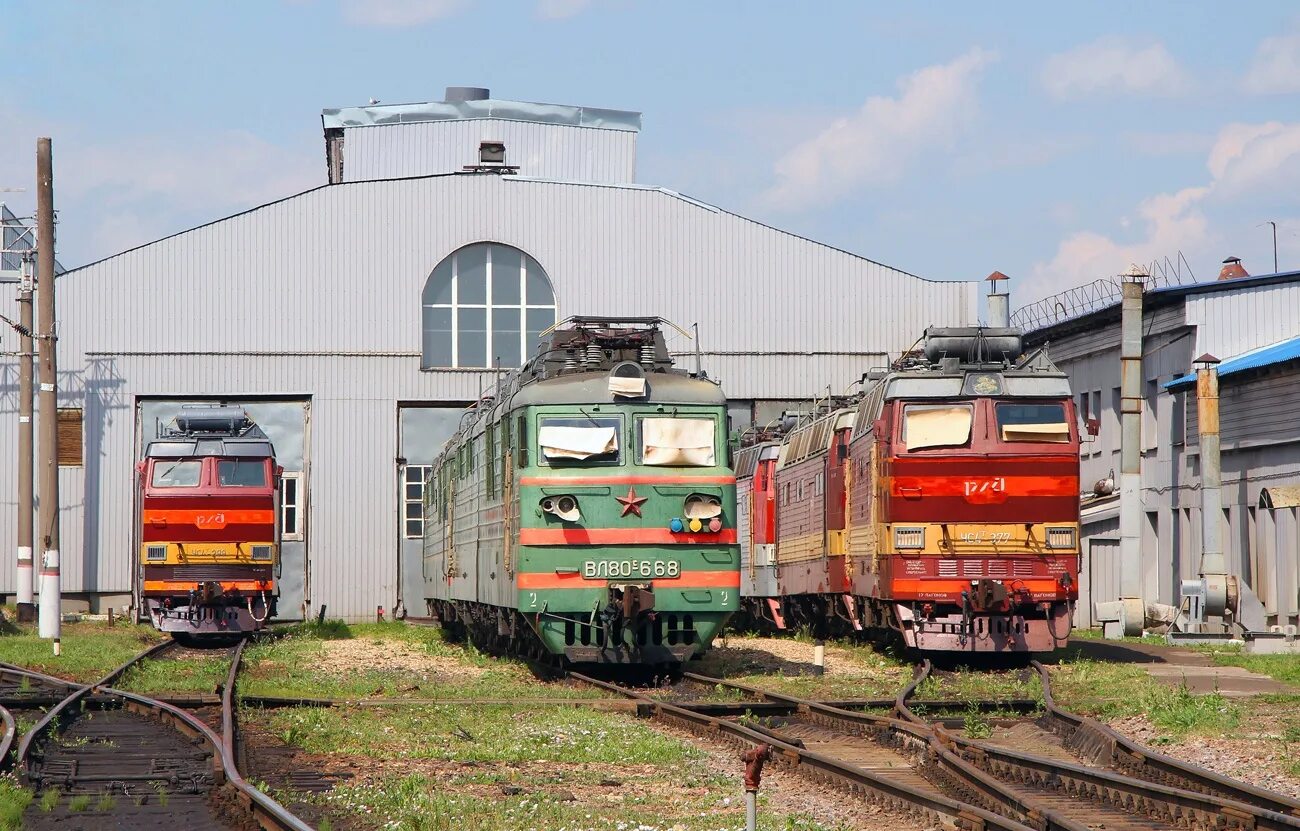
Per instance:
x=1213, y=567
x=999, y=302
x=1130, y=450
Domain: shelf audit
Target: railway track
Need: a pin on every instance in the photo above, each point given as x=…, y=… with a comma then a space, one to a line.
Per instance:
x=1075, y=771
x=118, y=759
x=1058, y=772
x=884, y=769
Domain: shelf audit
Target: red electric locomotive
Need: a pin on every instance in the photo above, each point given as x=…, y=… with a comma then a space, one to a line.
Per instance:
x=209, y=525
x=941, y=505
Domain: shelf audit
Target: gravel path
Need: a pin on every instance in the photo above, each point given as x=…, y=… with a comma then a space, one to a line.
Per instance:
x=1254, y=754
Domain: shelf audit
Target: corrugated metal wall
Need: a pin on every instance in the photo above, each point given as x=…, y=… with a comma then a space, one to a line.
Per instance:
x=1231, y=322
x=542, y=151
x=1260, y=440
x=318, y=296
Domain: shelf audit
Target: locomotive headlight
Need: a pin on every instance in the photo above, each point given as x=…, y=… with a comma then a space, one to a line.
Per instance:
x=1060, y=538
x=565, y=507
x=908, y=537
x=702, y=506
x=262, y=553
x=156, y=553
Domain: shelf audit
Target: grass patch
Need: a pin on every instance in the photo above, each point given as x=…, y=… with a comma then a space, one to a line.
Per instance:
x=90, y=649
x=50, y=800
x=1111, y=690
x=496, y=734
x=197, y=674
x=14, y=800
x=1284, y=668
x=327, y=630
x=418, y=803
x=79, y=803
x=298, y=665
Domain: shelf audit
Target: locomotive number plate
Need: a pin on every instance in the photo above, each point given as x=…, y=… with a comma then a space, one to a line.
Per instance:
x=643, y=569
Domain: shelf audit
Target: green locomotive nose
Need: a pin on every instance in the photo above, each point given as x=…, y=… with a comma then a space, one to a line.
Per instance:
x=590, y=509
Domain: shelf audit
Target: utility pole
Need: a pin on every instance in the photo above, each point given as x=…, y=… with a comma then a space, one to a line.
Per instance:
x=1274, y=224
x=49, y=436
x=26, y=350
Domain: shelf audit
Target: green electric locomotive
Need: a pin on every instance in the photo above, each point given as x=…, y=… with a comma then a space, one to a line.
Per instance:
x=587, y=508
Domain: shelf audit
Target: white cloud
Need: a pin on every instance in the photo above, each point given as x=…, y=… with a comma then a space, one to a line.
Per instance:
x=1250, y=163
x=1248, y=158
x=1169, y=223
x=1276, y=67
x=1114, y=65
x=116, y=193
x=875, y=144
x=398, y=12
x=557, y=9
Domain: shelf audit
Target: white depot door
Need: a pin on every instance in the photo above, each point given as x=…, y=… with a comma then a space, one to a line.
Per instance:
x=288, y=425
x=422, y=430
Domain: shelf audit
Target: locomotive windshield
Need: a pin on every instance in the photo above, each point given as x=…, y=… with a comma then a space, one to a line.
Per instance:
x=677, y=441
x=580, y=439
x=177, y=474
x=936, y=425
x=240, y=474
x=1033, y=422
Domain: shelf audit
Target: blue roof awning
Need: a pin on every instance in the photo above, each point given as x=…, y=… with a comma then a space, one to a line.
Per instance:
x=1277, y=353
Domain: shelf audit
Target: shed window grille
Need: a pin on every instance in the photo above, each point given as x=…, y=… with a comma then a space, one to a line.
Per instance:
x=484, y=306
x=291, y=507
x=70, y=436
x=413, y=499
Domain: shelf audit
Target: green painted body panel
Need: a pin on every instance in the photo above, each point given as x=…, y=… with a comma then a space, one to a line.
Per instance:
x=479, y=524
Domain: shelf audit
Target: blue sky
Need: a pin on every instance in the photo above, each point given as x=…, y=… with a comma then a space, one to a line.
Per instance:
x=1054, y=142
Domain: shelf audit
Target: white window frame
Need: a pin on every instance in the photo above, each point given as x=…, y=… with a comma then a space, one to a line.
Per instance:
x=407, y=501
x=523, y=306
x=298, y=504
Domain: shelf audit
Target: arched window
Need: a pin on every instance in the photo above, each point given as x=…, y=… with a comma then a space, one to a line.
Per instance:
x=485, y=305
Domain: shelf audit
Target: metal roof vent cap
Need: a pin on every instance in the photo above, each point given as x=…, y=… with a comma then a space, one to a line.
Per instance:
x=467, y=94
x=1232, y=269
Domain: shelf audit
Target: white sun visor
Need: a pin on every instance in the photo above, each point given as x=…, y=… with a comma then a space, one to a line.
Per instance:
x=936, y=426
x=577, y=442
x=677, y=441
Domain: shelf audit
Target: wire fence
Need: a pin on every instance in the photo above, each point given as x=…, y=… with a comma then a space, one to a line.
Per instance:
x=1099, y=294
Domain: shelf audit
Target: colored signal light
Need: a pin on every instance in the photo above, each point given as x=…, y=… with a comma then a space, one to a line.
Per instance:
x=676, y=526
x=715, y=525
x=695, y=524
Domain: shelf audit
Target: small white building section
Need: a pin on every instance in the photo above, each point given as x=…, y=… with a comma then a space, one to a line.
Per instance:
x=355, y=321
x=542, y=141
x=1250, y=324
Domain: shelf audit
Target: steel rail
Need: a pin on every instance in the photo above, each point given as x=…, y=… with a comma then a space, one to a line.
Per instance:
x=1176, y=806
x=1100, y=743
x=269, y=814
x=51, y=717
x=976, y=783
x=11, y=730
x=856, y=779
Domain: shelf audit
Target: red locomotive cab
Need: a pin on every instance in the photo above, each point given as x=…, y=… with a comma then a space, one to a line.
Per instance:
x=209, y=529
x=983, y=513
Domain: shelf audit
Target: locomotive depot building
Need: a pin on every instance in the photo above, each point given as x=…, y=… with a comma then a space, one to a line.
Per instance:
x=1250, y=325
x=354, y=321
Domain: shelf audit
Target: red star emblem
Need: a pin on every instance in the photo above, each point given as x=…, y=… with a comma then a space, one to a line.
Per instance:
x=631, y=503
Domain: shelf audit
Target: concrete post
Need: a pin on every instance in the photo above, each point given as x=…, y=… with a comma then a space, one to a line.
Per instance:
x=1213, y=566
x=1130, y=506
x=48, y=527
x=26, y=477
